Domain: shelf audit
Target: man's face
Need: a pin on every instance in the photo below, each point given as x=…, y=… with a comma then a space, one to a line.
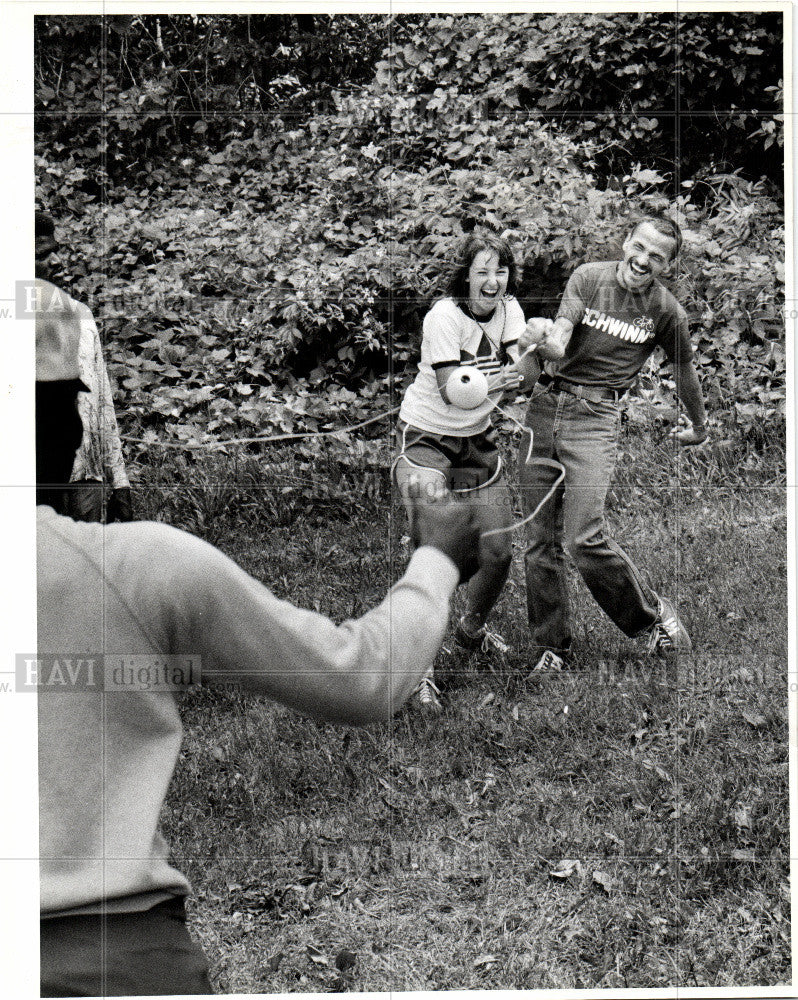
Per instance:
x=487, y=282
x=647, y=253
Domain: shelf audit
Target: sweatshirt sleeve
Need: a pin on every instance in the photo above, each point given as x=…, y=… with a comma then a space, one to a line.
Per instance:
x=441, y=340
x=360, y=671
x=674, y=335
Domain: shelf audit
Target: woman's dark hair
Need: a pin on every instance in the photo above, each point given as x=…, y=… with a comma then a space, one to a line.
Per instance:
x=465, y=254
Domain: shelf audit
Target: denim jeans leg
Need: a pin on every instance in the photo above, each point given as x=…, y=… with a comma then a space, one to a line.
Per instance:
x=544, y=559
x=587, y=447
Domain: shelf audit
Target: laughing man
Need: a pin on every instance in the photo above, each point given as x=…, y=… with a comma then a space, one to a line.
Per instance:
x=612, y=316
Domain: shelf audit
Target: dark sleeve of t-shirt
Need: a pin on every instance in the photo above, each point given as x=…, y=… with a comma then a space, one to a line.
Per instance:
x=576, y=295
x=673, y=335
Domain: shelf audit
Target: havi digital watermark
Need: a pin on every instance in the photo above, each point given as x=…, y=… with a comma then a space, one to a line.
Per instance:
x=63, y=674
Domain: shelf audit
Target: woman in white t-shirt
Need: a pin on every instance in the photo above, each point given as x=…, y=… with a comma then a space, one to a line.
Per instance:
x=443, y=445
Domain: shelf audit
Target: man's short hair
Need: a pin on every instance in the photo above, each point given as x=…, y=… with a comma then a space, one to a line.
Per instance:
x=663, y=224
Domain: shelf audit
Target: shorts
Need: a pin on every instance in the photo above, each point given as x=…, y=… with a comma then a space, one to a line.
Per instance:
x=467, y=463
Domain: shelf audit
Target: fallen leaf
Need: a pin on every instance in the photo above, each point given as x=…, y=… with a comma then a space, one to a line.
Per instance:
x=345, y=960
x=741, y=816
x=755, y=719
x=273, y=963
x=604, y=880
x=565, y=868
x=484, y=960
x=317, y=956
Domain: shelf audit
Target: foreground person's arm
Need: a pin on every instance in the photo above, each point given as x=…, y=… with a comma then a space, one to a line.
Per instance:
x=357, y=672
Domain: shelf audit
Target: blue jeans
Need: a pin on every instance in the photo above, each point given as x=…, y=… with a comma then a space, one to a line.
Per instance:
x=582, y=435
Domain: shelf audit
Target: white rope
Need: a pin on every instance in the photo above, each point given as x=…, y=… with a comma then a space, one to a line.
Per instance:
x=270, y=438
x=265, y=439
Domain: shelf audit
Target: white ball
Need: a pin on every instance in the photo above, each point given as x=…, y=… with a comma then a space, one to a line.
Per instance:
x=467, y=388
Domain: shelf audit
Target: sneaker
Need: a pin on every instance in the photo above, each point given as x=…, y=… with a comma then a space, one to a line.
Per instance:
x=427, y=697
x=667, y=634
x=483, y=638
x=549, y=661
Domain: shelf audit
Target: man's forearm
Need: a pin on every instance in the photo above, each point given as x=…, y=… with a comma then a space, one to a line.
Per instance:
x=688, y=389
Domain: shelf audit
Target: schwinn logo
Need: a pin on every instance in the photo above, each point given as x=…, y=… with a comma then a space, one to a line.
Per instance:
x=645, y=323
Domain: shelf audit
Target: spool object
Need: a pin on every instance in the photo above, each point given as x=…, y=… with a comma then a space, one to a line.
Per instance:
x=467, y=388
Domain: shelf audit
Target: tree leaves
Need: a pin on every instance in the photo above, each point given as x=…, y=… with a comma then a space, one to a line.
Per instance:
x=252, y=262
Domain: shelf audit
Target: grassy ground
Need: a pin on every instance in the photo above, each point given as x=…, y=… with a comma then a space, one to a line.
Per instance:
x=622, y=826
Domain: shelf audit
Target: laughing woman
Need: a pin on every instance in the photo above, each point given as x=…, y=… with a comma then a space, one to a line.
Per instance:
x=446, y=439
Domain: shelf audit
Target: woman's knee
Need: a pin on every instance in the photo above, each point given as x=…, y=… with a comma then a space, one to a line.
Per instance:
x=416, y=483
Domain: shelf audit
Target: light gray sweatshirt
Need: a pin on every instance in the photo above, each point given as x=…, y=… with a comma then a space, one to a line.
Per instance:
x=145, y=589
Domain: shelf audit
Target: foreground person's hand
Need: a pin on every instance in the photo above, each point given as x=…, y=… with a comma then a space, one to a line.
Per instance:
x=448, y=525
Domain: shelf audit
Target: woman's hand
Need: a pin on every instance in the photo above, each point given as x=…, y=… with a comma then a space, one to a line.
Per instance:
x=548, y=337
x=504, y=380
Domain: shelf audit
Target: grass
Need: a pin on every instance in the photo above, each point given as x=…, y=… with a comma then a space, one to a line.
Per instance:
x=625, y=825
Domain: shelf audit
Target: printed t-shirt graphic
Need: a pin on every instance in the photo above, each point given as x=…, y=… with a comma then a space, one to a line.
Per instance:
x=451, y=337
x=615, y=330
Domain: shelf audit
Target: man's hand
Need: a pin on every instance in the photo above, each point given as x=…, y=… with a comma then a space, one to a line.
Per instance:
x=687, y=433
x=119, y=506
x=447, y=524
x=537, y=331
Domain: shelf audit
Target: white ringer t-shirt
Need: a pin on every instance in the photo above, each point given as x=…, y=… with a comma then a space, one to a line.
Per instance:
x=452, y=337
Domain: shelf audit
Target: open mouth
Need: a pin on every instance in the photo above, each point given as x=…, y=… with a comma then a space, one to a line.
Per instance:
x=637, y=270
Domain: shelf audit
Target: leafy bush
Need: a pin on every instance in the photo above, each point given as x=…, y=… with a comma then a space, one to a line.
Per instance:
x=128, y=94
x=615, y=78
x=278, y=283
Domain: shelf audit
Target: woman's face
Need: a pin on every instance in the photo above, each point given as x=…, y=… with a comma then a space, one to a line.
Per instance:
x=487, y=282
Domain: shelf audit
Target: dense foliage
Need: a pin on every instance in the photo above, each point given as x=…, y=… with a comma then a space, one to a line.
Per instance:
x=130, y=90
x=619, y=79
x=269, y=272
x=124, y=93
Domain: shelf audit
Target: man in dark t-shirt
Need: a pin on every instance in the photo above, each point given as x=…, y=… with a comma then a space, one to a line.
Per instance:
x=612, y=316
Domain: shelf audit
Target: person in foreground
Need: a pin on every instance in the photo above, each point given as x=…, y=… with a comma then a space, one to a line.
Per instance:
x=446, y=441
x=611, y=317
x=134, y=595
